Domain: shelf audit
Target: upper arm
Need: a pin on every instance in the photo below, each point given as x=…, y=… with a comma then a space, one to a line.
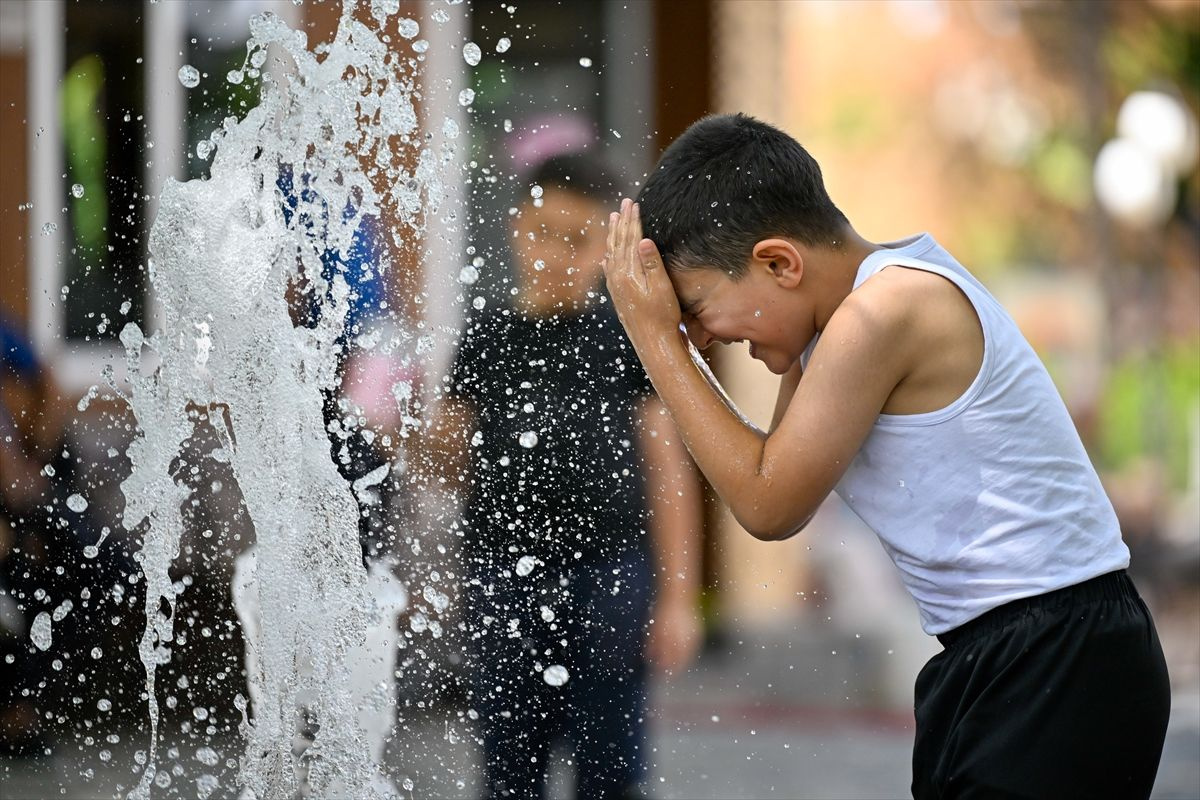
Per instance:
x=858, y=361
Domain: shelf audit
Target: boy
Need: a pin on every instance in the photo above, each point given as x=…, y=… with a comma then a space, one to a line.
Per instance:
x=572, y=462
x=907, y=389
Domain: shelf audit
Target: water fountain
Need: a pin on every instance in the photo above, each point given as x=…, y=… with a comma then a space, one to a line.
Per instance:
x=324, y=151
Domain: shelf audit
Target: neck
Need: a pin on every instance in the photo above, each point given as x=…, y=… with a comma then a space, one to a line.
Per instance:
x=837, y=268
x=544, y=304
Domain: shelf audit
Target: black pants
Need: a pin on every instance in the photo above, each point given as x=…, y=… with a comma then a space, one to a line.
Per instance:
x=1064, y=695
x=596, y=629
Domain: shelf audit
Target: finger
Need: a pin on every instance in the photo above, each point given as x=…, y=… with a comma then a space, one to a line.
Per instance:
x=618, y=223
x=648, y=255
x=613, y=219
x=609, y=242
x=653, y=269
x=631, y=236
x=635, y=236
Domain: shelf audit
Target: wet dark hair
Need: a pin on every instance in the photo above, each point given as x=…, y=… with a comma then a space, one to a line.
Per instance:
x=582, y=172
x=729, y=182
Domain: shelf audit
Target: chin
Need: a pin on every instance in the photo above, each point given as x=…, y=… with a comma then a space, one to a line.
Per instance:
x=768, y=361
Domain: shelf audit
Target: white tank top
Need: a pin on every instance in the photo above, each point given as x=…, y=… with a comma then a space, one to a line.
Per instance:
x=993, y=497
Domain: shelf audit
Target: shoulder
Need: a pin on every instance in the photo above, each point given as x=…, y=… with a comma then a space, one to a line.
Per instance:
x=884, y=305
x=902, y=300
x=893, y=320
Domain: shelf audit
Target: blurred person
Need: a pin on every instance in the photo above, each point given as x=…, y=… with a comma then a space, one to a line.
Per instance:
x=582, y=509
x=29, y=431
x=907, y=388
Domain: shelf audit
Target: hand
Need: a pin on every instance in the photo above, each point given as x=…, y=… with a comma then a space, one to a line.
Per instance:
x=637, y=279
x=675, y=634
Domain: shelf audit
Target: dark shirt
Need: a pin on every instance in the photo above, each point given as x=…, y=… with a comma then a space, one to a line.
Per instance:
x=573, y=380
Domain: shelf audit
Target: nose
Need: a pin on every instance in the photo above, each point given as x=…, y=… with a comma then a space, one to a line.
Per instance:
x=699, y=337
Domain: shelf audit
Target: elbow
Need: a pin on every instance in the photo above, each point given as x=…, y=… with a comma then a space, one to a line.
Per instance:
x=773, y=527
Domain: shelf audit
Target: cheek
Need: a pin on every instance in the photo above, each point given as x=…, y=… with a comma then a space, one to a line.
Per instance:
x=590, y=251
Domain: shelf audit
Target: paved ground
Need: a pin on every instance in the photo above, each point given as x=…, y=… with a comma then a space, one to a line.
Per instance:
x=747, y=751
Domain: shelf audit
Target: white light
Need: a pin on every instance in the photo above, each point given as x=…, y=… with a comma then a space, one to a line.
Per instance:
x=1132, y=184
x=1163, y=126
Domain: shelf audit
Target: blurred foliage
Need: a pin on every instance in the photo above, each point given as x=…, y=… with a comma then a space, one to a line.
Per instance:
x=1151, y=404
x=1150, y=46
x=86, y=149
x=1062, y=171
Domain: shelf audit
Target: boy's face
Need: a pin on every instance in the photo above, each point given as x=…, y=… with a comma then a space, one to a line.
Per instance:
x=558, y=246
x=753, y=308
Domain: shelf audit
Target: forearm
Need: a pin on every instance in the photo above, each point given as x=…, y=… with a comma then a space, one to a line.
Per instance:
x=440, y=452
x=675, y=505
x=715, y=385
x=727, y=450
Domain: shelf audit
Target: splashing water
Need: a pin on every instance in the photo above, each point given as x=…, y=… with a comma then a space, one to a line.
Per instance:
x=223, y=255
x=556, y=675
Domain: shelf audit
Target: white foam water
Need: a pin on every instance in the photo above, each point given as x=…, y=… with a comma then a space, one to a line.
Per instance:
x=340, y=120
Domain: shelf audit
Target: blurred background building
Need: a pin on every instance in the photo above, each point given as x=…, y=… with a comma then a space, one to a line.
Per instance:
x=1052, y=146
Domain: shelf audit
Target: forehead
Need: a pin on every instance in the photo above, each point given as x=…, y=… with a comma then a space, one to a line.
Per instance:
x=695, y=285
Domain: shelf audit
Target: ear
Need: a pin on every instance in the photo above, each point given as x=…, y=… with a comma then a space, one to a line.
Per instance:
x=781, y=258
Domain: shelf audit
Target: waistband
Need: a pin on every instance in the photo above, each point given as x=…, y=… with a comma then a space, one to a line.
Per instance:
x=1111, y=586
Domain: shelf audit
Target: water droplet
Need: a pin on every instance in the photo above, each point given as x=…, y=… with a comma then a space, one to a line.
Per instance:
x=40, y=632
x=77, y=190
x=508, y=126
x=466, y=97
x=468, y=275
x=63, y=609
x=478, y=303
x=585, y=62
x=472, y=54
x=204, y=149
x=205, y=786
x=556, y=675
x=528, y=439
x=77, y=503
x=409, y=28
x=200, y=712
x=535, y=191
x=502, y=44
x=235, y=76
x=97, y=653
x=547, y=614
x=525, y=565
x=49, y=228
x=189, y=76
x=420, y=46
x=104, y=704
x=539, y=265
